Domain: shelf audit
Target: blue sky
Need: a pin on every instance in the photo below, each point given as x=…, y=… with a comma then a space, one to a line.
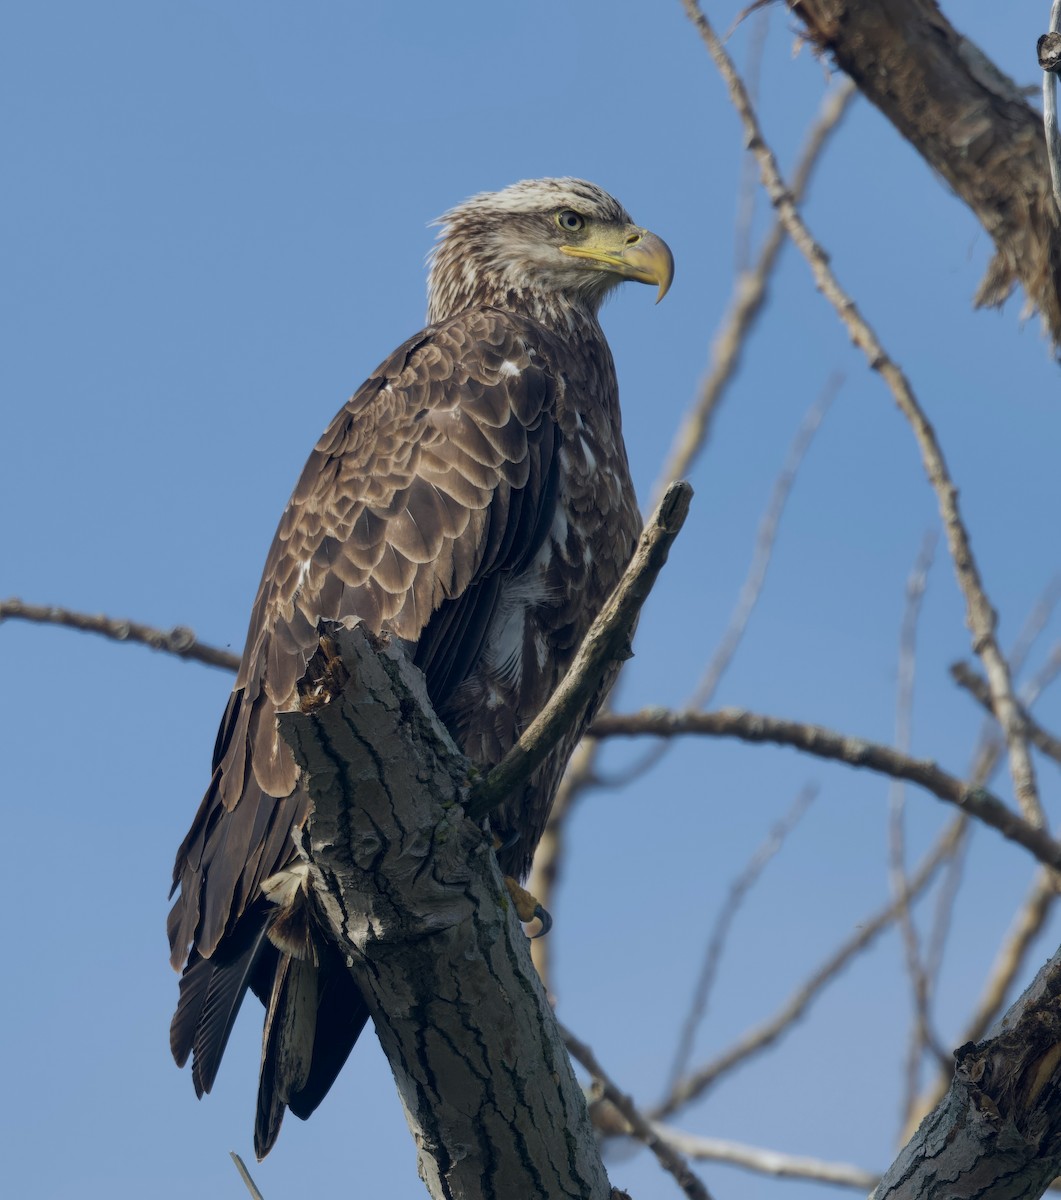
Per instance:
x=215, y=217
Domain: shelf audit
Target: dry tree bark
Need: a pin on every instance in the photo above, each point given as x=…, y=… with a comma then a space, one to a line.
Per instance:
x=967, y=120
x=405, y=878
x=997, y=1132
x=411, y=889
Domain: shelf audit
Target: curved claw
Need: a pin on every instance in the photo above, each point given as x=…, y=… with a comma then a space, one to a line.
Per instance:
x=546, y=921
x=528, y=908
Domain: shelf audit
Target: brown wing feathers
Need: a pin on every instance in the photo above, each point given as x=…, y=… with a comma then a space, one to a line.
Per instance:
x=438, y=476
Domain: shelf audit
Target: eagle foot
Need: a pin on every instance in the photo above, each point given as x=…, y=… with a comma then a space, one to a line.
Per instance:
x=528, y=907
x=325, y=677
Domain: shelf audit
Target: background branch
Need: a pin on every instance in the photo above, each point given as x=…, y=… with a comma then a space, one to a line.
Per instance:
x=967, y=120
x=756, y=1040
x=980, y=616
x=180, y=640
x=997, y=1131
x=853, y=752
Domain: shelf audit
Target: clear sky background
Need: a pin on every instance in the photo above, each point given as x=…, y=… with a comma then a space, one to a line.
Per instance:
x=214, y=219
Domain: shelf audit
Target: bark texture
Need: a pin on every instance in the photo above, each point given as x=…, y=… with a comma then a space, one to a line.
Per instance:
x=967, y=120
x=997, y=1132
x=410, y=887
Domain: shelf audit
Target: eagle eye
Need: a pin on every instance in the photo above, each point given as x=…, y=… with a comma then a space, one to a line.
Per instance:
x=570, y=220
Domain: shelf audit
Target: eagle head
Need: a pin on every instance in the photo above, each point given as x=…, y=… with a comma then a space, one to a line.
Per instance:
x=543, y=245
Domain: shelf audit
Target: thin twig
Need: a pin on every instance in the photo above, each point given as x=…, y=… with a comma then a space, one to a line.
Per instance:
x=754, y=581
x=921, y=1036
x=738, y=889
x=1012, y=954
x=756, y=1040
x=669, y=1158
x=746, y=189
x=964, y=676
x=245, y=1175
x=180, y=640
x=548, y=863
x=766, y=1162
x=746, y=303
x=765, y=540
x=1010, y=961
x=979, y=614
x=1042, y=678
x=607, y=641
x=1034, y=624
x=855, y=752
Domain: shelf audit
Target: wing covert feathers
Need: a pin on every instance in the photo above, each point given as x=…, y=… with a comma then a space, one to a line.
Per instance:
x=473, y=498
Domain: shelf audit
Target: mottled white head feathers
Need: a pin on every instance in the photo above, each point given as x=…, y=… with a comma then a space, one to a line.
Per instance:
x=504, y=249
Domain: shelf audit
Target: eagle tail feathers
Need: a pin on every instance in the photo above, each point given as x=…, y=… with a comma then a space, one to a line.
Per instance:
x=211, y=992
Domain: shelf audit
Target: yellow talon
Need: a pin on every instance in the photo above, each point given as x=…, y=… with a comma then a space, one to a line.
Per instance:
x=528, y=907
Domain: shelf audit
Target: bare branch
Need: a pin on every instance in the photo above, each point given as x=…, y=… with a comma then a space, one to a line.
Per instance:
x=745, y=306
x=245, y=1175
x=637, y=1125
x=746, y=303
x=738, y=889
x=976, y=686
x=979, y=614
x=921, y=1036
x=997, y=1132
x=549, y=856
x=746, y=189
x=855, y=752
x=765, y=540
x=1045, y=676
x=764, y=1035
x=970, y=123
x=754, y=581
x=1011, y=959
x=766, y=1162
x=1034, y=624
x=607, y=642
x=180, y=640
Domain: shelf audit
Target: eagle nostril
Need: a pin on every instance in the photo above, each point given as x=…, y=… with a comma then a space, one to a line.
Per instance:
x=633, y=238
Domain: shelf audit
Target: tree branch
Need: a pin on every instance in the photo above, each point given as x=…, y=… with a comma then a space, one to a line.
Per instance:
x=180, y=640
x=967, y=120
x=1010, y=960
x=965, y=677
x=745, y=305
x=606, y=643
x=636, y=1124
x=980, y=616
x=411, y=891
x=760, y=1038
x=735, y=895
x=764, y=1161
x=854, y=752
x=997, y=1132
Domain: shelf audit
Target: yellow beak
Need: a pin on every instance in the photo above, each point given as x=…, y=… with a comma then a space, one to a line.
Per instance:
x=630, y=253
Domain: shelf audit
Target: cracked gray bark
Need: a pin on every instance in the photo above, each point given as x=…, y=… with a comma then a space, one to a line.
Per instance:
x=967, y=120
x=410, y=887
x=997, y=1132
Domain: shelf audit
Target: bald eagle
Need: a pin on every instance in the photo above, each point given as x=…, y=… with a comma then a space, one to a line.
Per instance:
x=473, y=498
